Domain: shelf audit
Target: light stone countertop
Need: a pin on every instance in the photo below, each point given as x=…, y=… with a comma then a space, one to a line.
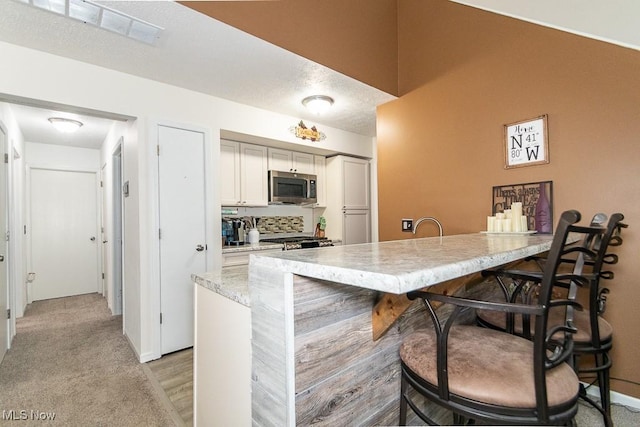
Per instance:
x=233, y=282
x=230, y=282
x=401, y=266
x=397, y=266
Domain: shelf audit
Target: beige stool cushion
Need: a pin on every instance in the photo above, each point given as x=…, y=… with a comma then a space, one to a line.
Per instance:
x=488, y=366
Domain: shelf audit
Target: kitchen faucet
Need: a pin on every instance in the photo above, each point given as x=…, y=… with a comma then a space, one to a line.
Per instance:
x=427, y=218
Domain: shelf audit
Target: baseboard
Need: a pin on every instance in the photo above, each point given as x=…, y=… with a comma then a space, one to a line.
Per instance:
x=133, y=347
x=617, y=398
x=146, y=357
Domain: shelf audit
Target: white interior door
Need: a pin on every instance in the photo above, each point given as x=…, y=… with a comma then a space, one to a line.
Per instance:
x=64, y=233
x=182, y=231
x=4, y=323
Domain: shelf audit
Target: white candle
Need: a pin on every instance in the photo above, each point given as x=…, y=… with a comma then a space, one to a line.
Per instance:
x=497, y=226
x=491, y=220
x=516, y=214
x=525, y=224
x=500, y=215
x=516, y=209
x=516, y=224
x=507, y=213
x=506, y=226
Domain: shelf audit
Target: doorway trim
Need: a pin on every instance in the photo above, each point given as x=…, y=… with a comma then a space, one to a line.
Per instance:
x=7, y=324
x=154, y=224
x=117, y=217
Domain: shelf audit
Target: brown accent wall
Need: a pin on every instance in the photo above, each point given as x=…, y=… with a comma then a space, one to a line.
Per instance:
x=357, y=37
x=463, y=74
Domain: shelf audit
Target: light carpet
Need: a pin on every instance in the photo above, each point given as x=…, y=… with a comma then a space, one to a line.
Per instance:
x=70, y=361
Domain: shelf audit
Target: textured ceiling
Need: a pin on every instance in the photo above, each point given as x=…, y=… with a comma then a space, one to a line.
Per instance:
x=199, y=53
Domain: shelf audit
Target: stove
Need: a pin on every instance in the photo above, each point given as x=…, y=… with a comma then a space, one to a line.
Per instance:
x=300, y=242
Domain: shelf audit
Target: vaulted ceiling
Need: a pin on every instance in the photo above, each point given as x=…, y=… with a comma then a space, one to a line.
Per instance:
x=274, y=53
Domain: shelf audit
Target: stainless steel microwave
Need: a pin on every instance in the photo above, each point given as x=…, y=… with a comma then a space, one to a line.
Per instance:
x=294, y=188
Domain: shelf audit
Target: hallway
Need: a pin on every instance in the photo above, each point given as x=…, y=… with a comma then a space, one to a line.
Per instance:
x=71, y=365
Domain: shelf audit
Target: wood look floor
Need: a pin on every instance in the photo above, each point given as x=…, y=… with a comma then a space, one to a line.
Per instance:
x=173, y=377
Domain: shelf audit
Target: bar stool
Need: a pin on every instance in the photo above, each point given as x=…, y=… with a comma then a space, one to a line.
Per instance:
x=456, y=365
x=594, y=336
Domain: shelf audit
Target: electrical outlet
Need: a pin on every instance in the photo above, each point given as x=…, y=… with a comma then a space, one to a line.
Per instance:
x=407, y=224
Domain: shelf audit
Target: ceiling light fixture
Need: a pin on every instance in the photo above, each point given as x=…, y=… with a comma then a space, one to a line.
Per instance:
x=101, y=17
x=65, y=125
x=318, y=104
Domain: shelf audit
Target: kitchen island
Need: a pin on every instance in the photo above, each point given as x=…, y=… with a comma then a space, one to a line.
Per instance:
x=313, y=359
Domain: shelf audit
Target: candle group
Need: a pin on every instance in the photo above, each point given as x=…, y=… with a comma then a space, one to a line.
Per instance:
x=509, y=221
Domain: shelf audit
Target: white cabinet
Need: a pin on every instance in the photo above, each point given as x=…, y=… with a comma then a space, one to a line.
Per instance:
x=279, y=160
x=355, y=183
x=229, y=172
x=303, y=162
x=356, y=226
x=222, y=361
x=348, y=198
x=254, y=175
x=243, y=169
x=291, y=161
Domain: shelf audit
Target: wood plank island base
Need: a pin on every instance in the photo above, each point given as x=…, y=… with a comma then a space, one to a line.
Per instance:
x=313, y=357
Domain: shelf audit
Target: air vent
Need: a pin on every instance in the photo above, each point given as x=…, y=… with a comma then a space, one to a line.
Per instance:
x=102, y=17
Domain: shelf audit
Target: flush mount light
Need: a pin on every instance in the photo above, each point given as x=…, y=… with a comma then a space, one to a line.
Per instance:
x=65, y=125
x=318, y=104
x=101, y=17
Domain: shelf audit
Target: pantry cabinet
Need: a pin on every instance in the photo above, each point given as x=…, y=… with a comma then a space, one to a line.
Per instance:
x=243, y=169
x=348, y=211
x=356, y=226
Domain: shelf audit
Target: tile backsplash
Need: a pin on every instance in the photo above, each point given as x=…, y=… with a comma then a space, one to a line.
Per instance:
x=281, y=224
x=279, y=217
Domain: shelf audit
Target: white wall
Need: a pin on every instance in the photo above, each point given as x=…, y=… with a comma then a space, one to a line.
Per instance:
x=79, y=84
x=44, y=155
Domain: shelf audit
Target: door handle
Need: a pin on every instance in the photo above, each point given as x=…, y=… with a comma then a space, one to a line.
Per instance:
x=93, y=239
x=104, y=241
x=199, y=248
x=1, y=258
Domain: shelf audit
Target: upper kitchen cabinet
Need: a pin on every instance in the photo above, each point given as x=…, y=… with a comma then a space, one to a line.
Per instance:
x=291, y=161
x=243, y=169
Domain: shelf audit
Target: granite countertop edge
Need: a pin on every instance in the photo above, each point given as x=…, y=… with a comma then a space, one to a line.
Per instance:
x=231, y=283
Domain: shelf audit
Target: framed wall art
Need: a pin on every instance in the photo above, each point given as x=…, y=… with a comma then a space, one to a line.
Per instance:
x=536, y=199
x=526, y=143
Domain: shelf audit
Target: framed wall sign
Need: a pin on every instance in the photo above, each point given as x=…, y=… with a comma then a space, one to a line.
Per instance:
x=526, y=143
x=536, y=199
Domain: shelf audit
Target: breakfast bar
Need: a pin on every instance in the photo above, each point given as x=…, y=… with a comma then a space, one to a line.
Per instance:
x=314, y=360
